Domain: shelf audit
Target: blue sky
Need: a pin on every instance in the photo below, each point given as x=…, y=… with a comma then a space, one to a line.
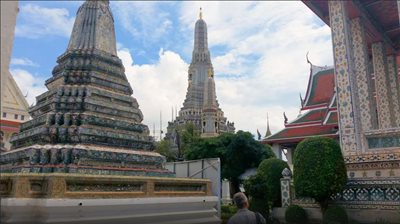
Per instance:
x=258, y=52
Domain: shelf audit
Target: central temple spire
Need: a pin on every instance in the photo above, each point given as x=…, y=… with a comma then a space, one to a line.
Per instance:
x=201, y=105
x=200, y=49
x=94, y=28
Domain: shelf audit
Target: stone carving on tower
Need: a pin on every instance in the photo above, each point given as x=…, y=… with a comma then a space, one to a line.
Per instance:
x=87, y=121
x=201, y=106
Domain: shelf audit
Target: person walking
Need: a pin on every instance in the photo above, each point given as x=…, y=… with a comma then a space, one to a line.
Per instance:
x=244, y=215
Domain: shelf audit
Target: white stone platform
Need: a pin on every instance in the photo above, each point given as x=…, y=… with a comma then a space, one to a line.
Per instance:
x=163, y=210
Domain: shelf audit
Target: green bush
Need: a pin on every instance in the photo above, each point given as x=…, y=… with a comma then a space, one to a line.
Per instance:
x=227, y=211
x=335, y=215
x=270, y=171
x=319, y=169
x=259, y=205
x=295, y=214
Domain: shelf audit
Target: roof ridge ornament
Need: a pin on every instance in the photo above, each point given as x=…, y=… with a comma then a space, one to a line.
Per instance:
x=308, y=61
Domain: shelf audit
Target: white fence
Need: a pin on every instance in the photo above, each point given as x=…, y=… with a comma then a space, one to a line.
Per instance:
x=201, y=169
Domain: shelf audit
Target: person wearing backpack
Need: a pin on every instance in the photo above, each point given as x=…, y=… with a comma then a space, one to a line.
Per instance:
x=244, y=215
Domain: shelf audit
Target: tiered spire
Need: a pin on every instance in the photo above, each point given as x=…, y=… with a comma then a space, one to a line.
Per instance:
x=89, y=98
x=94, y=28
x=201, y=106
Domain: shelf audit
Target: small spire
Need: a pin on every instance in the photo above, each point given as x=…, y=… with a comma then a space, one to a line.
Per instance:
x=268, y=133
x=201, y=14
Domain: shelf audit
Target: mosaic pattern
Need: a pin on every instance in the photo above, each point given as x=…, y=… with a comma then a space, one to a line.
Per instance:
x=361, y=71
x=84, y=160
x=383, y=194
x=285, y=192
x=384, y=142
x=340, y=40
x=394, y=88
x=383, y=103
x=372, y=157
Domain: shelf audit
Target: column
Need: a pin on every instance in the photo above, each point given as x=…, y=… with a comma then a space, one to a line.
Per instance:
x=381, y=86
x=343, y=72
x=394, y=88
x=286, y=194
x=362, y=73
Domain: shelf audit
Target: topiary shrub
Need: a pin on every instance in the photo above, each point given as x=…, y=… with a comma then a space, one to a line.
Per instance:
x=295, y=214
x=270, y=171
x=335, y=215
x=319, y=169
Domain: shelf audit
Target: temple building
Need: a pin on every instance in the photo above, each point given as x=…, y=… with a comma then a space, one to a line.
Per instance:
x=13, y=106
x=366, y=46
x=318, y=115
x=201, y=106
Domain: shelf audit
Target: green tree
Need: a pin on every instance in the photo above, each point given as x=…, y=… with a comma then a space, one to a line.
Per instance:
x=264, y=187
x=164, y=148
x=319, y=169
x=187, y=135
x=238, y=152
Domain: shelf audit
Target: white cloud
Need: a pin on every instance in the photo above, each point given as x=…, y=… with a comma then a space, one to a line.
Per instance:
x=157, y=87
x=143, y=20
x=23, y=62
x=35, y=21
x=29, y=84
x=263, y=68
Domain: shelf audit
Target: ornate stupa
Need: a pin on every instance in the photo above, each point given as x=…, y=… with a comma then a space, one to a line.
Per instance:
x=87, y=121
x=201, y=106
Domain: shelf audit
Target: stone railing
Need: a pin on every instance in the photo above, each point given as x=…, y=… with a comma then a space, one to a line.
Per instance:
x=376, y=194
x=59, y=185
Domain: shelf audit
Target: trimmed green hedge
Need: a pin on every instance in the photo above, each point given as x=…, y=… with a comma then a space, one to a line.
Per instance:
x=295, y=214
x=319, y=169
x=335, y=214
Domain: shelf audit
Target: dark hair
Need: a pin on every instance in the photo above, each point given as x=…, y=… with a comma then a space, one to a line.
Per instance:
x=240, y=200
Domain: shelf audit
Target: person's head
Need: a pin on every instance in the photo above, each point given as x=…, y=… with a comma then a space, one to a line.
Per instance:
x=240, y=200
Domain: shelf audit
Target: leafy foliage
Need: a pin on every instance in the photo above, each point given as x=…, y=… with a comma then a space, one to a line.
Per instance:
x=264, y=187
x=188, y=135
x=319, y=169
x=295, y=214
x=238, y=152
x=227, y=211
x=335, y=214
x=164, y=148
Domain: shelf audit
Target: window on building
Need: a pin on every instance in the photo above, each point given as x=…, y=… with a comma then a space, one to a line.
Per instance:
x=4, y=114
x=15, y=116
x=22, y=117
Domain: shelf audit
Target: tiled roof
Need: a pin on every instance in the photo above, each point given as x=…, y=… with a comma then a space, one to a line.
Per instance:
x=320, y=87
x=320, y=118
x=298, y=133
x=313, y=116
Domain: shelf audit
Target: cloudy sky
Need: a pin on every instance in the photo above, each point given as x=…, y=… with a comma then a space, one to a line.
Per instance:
x=258, y=52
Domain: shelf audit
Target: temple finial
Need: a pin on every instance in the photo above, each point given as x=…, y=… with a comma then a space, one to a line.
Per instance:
x=268, y=133
x=201, y=14
x=308, y=61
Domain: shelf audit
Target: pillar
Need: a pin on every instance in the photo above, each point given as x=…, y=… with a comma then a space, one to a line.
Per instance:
x=362, y=73
x=286, y=188
x=381, y=86
x=226, y=193
x=394, y=88
x=349, y=137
